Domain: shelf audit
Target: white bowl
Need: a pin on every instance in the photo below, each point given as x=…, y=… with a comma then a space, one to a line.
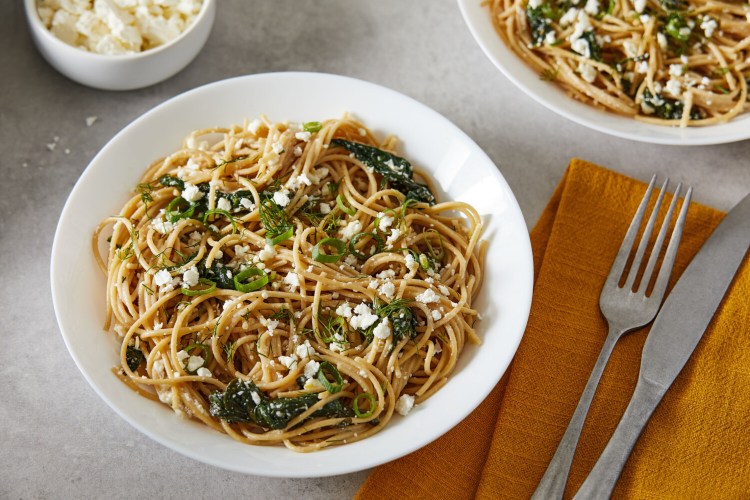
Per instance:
x=127, y=71
x=460, y=169
x=477, y=17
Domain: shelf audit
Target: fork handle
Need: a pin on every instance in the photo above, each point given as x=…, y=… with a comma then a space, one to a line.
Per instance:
x=552, y=485
x=602, y=479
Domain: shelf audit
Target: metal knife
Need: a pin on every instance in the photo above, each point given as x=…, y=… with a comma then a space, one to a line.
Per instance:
x=677, y=329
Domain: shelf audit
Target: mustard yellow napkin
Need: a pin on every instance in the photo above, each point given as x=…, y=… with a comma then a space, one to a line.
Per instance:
x=697, y=444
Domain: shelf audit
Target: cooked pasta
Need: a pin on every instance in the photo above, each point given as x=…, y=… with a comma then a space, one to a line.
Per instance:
x=290, y=283
x=668, y=62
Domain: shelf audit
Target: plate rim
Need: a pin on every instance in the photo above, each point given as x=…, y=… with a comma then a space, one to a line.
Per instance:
x=477, y=25
x=70, y=205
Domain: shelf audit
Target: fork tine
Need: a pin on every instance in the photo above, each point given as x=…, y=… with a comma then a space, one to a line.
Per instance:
x=646, y=279
x=645, y=238
x=618, y=266
x=666, y=267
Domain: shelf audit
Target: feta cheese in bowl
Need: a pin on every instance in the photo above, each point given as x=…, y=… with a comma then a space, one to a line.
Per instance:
x=119, y=44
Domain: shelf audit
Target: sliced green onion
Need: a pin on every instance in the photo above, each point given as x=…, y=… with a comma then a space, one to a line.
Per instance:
x=378, y=240
x=173, y=215
x=343, y=207
x=210, y=287
x=370, y=399
x=319, y=255
x=424, y=261
x=312, y=126
x=221, y=212
x=282, y=237
x=250, y=286
x=331, y=370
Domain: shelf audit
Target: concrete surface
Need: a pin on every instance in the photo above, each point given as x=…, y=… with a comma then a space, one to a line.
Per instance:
x=59, y=440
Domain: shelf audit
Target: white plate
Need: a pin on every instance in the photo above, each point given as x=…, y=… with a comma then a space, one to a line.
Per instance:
x=429, y=140
x=553, y=97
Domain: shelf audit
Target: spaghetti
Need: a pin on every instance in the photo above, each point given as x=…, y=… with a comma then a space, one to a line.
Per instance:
x=290, y=284
x=668, y=62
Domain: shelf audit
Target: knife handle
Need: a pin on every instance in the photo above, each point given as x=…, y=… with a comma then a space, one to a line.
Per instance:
x=603, y=477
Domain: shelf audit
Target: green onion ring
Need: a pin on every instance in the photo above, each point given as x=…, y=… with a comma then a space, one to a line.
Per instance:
x=282, y=237
x=175, y=215
x=325, y=366
x=360, y=255
x=201, y=291
x=355, y=405
x=221, y=212
x=252, y=285
x=343, y=207
x=319, y=255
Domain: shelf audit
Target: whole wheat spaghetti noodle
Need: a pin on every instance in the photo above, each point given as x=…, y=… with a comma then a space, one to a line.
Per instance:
x=290, y=283
x=668, y=62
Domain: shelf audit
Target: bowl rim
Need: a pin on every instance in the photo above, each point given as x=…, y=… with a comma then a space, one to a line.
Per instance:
x=32, y=15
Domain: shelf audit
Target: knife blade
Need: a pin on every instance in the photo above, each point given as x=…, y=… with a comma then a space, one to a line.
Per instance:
x=676, y=331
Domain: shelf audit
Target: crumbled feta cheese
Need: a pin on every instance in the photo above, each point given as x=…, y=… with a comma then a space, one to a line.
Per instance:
x=194, y=362
x=247, y=203
x=393, y=237
x=203, y=372
x=313, y=384
x=684, y=32
x=161, y=225
x=267, y=253
x=535, y=3
x=404, y=404
x=444, y=290
x=292, y=280
x=256, y=397
x=581, y=46
x=163, y=279
x=297, y=181
x=324, y=208
x=352, y=228
x=645, y=18
x=708, y=26
x=387, y=289
x=253, y=126
x=224, y=204
x=385, y=222
x=303, y=136
x=673, y=87
x=639, y=5
x=436, y=315
x=281, y=198
x=592, y=7
x=569, y=17
x=373, y=284
x=363, y=318
x=661, y=38
x=641, y=67
x=288, y=361
x=344, y=310
x=182, y=356
x=311, y=368
x=427, y=297
x=350, y=260
x=550, y=38
x=411, y=264
x=190, y=277
x=191, y=193
x=158, y=325
x=277, y=147
x=383, y=329
x=305, y=350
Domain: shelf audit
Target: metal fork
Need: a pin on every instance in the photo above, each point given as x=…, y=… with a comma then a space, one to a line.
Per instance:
x=624, y=310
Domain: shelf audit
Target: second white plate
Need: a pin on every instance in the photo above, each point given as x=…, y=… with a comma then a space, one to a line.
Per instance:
x=477, y=17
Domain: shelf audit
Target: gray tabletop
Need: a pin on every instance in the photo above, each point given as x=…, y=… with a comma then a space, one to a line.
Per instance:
x=59, y=440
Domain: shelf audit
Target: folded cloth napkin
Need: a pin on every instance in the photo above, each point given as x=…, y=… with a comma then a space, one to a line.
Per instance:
x=697, y=444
